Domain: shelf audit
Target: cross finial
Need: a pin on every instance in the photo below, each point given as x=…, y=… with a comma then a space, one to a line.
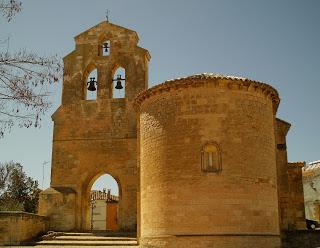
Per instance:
x=107, y=15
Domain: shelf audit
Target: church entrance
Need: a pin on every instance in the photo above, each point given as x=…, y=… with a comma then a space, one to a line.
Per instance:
x=104, y=204
x=108, y=199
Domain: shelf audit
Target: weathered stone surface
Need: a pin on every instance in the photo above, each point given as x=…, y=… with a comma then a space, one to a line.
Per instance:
x=54, y=202
x=19, y=227
x=94, y=137
x=177, y=198
x=290, y=189
x=203, y=165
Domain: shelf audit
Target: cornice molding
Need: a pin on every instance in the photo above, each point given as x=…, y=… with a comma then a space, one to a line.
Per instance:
x=231, y=82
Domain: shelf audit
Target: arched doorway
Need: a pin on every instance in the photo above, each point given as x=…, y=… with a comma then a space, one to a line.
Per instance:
x=127, y=197
x=104, y=204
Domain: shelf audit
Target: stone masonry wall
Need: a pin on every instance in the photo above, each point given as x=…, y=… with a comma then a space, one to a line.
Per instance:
x=180, y=201
x=297, y=210
x=281, y=130
x=290, y=186
x=19, y=227
x=60, y=206
x=96, y=137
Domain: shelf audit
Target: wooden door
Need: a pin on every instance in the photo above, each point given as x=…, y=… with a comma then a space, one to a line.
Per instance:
x=112, y=216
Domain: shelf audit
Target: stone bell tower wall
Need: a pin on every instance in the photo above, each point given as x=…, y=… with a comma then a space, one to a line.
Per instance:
x=183, y=204
x=94, y=137
x=87, y=56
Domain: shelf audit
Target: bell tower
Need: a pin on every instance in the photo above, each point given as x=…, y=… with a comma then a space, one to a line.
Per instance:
x=95, y=128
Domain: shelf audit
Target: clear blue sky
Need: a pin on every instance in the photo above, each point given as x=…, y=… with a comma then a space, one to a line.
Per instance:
x=275, y=41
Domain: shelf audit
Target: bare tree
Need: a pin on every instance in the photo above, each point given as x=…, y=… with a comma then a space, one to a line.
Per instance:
x=25, y=78
x=9, y=8
x=5, y=171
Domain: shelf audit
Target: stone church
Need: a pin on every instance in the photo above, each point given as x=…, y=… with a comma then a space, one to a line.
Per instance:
x=200, y=161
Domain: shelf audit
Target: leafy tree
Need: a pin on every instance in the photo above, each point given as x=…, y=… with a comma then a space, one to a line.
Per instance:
x=25, y=78
x=18, y=192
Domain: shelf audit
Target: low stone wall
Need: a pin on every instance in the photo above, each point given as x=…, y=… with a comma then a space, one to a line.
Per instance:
x=301, y=239
x=20, y=227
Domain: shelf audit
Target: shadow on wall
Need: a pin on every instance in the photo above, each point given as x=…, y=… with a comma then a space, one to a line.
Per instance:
x=301, y=239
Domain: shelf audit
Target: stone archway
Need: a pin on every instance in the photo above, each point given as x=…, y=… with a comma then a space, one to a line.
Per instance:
x=87, y=207
x=127, y=206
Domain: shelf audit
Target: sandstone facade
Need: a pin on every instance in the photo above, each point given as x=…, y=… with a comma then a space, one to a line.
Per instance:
x=200, y=161
x=181, y=199
x=94, y=137
x=290, y=189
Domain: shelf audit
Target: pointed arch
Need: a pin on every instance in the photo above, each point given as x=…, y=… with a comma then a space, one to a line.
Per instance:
x=98, y=175
x=91, y=71
x=103, y=196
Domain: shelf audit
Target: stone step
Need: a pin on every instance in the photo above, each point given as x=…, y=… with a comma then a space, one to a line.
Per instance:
x=88, y=242
x=85, y=246
x=79, y=240
x=101, y=239
x=94, y=238
x=77, y=234
x=102, y=234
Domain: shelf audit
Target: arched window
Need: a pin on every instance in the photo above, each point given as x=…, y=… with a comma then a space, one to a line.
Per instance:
x=119, y=83
x=211, y=158
x=104, y=200
x=106, y=46
x=91, y=92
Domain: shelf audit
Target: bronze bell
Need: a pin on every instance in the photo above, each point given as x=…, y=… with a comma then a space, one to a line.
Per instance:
x=119, y=85
x=106, y=46
x=92, y=86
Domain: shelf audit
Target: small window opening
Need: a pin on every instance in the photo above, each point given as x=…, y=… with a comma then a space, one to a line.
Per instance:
x=92, y=82
x=210, y=158
x=119, y=83
x=106, y=46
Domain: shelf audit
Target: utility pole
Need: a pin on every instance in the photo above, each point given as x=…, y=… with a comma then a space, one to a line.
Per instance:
x=43, y=165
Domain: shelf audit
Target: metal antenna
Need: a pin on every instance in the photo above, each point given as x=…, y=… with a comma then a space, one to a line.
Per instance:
x=107, y=15
x=43, y=164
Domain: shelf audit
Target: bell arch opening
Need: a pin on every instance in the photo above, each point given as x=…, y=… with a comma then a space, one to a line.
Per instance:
x=91, y=85
x=105, y=48
x=119, y=83
x=104, y=203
